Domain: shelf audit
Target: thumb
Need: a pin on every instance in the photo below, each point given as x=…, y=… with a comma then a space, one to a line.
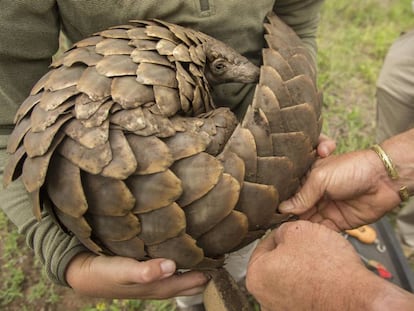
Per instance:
x=267, y=244
x=130, y=271
x=150, y=271
x=271, y=241
x=326, y=146
x=306, y=198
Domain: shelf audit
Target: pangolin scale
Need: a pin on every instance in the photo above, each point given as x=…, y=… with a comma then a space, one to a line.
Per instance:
x=121, y=142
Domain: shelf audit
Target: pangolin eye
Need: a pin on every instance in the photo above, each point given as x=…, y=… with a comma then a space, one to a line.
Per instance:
x=219, y=66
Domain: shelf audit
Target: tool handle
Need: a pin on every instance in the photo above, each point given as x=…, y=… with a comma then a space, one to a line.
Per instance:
x=365, y=234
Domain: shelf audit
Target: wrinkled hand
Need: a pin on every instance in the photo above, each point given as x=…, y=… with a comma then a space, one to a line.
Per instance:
x=120, y=277
x=344, y=191
x=306, y=266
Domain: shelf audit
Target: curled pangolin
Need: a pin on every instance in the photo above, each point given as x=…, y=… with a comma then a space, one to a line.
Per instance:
x=121, y=142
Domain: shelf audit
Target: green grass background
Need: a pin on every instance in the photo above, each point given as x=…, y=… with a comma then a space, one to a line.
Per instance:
x=353, y=38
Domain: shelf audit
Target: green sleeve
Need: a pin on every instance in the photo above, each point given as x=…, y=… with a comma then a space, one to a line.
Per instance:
x=52, y=246
x=29, y=38
x=303, y=17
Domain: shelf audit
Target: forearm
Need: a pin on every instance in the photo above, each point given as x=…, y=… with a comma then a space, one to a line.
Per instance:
x=54, y=248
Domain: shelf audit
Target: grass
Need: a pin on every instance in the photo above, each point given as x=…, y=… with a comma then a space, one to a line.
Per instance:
x=12, y=275
x=353, y=39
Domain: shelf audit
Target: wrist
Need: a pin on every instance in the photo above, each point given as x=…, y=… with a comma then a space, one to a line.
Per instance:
x=389, y=296
x=367, y=291
x=393, y=176
x=355, y=290
x=362, y=290
x=76, y=268
x=400, y=149
x=380, y=181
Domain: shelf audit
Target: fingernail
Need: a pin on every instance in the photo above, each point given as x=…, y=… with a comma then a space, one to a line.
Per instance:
x=285, y=206
x=167, y=266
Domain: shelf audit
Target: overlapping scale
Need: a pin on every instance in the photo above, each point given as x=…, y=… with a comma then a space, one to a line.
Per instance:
x=122, y=143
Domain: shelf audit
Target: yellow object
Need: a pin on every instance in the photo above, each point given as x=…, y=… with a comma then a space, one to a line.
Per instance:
x=365, y=234
x=391, y=171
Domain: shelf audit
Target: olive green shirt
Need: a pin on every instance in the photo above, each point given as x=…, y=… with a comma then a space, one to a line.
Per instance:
x=29, y=37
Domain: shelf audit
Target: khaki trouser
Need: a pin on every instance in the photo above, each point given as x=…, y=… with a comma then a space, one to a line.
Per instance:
x=395, y=110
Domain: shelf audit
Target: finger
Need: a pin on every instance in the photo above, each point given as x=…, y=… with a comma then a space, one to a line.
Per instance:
x=322, y=220
x=307, y=197
x=337, y=215
x=191, y=291
x=316, y=216
x=189, y=283
x=275, y=238
x=266, y=245
x=289, y=230
x=186, y=284
x=330, y=224
x=326, y=146
x=128, y=270
x=309, y=213
x=153, y=270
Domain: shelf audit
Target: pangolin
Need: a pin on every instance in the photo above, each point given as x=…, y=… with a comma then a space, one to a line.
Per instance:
x=123, y=145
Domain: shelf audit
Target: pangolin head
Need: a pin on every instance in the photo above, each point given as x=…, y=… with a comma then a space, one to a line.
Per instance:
x=225, y=65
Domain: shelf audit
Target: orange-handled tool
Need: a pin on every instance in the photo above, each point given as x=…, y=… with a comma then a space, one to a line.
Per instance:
x=367, y=234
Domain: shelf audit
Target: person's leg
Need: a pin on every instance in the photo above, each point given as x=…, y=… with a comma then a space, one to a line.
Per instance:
x=393, y=115
x=395, y=110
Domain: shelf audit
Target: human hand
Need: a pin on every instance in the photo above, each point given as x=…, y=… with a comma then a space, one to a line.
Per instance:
x=344, y=191
x=306, y=266
x=121, y=277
